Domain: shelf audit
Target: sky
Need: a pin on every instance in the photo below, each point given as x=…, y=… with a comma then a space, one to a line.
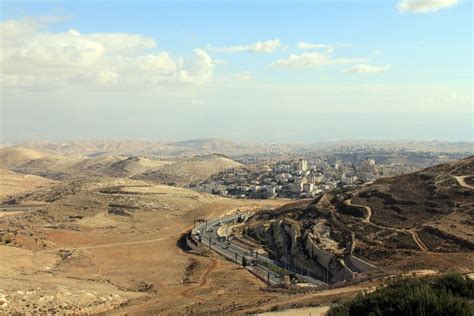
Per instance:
x=299, y=71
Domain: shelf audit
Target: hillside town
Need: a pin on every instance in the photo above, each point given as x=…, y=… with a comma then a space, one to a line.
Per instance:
x=296, y=178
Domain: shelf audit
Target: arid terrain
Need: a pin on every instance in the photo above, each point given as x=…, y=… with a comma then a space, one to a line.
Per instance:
x=419, y=220
x=104, y=233
x=13, y=183
x=96, y=243
x=115, y=247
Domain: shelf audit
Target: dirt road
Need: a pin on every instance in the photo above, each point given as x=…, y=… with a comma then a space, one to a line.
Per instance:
x=368, y=209
x=412, y=231
x=203, y=279
x=460, y=180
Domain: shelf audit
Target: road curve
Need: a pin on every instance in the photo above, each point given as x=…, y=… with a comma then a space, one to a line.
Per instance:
x=462, y=182
x=263, y=267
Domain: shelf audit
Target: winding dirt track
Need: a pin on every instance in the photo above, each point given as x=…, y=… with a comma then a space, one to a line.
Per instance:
x=417, y=239
x=368, y=209
x=412, y=231
x=460, y=180
x=115, y=244
x=203, y=279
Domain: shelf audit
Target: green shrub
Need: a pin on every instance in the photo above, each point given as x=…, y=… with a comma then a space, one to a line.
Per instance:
x=456, y=284
x=443, y=295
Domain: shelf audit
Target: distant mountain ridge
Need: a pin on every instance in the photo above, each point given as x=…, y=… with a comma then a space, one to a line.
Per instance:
x=203, y=146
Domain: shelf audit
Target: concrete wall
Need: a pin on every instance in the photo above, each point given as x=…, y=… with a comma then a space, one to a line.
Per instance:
x=322, y=257
x=191, y=241
x=361, y=264
x=342, y=275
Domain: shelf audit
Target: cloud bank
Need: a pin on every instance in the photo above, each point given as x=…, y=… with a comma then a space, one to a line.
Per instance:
x=35, y=58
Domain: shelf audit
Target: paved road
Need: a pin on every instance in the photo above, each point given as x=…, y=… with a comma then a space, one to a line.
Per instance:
x=208, y=234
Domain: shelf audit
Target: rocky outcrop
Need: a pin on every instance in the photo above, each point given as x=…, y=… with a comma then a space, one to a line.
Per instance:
x=310, y=250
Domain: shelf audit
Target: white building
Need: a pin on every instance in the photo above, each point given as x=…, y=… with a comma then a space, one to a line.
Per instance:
x=302, y=165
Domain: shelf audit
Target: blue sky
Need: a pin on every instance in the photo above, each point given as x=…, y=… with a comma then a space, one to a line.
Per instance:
x=237, y=59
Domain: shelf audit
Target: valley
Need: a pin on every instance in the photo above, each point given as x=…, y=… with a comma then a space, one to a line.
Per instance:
x=93, y=234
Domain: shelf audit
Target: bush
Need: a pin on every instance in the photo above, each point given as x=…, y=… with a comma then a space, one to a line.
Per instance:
x=6, y=239
x=456, y=284
x=443, y=295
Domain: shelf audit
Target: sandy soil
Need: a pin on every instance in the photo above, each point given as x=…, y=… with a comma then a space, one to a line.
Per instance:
x=126, y=264
x=12, y=183
x=305, y=311
x=114, y=246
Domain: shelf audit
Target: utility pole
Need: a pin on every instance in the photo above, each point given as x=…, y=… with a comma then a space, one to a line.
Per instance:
x=210, y=242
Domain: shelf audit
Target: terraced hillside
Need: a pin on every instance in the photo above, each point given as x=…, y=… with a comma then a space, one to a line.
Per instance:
x=189, y=170
x=423, y=218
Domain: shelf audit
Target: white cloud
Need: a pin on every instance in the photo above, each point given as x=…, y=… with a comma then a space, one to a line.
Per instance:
x=123, y=42
x=304, y=45
x=424, y=6
x=311, y=46
x=266, y=47
x=32, y=58
x=313, y=60
x=367, y=69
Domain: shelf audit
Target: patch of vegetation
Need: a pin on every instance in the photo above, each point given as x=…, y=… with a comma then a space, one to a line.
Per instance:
x=6, y=239
x=443, y=295
x=276, y=269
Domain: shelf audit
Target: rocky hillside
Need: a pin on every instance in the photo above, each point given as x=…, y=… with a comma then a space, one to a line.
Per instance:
x=388, y=224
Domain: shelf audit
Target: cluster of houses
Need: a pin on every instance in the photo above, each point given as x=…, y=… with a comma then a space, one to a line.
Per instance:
x=295, y=178
x=284, y=179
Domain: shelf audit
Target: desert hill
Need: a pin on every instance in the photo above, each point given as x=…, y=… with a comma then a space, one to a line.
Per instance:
x=70, y=187
x=11, y=157
x=190, y=170
x=66, y=253
x=133, y=166
x=426, y=217
x=203, y=146
x=12, y=183
x=30, y=161
x=94, y=165
x=206, y=146
x=180, y=171
x=52, y=166
x=95, y=147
